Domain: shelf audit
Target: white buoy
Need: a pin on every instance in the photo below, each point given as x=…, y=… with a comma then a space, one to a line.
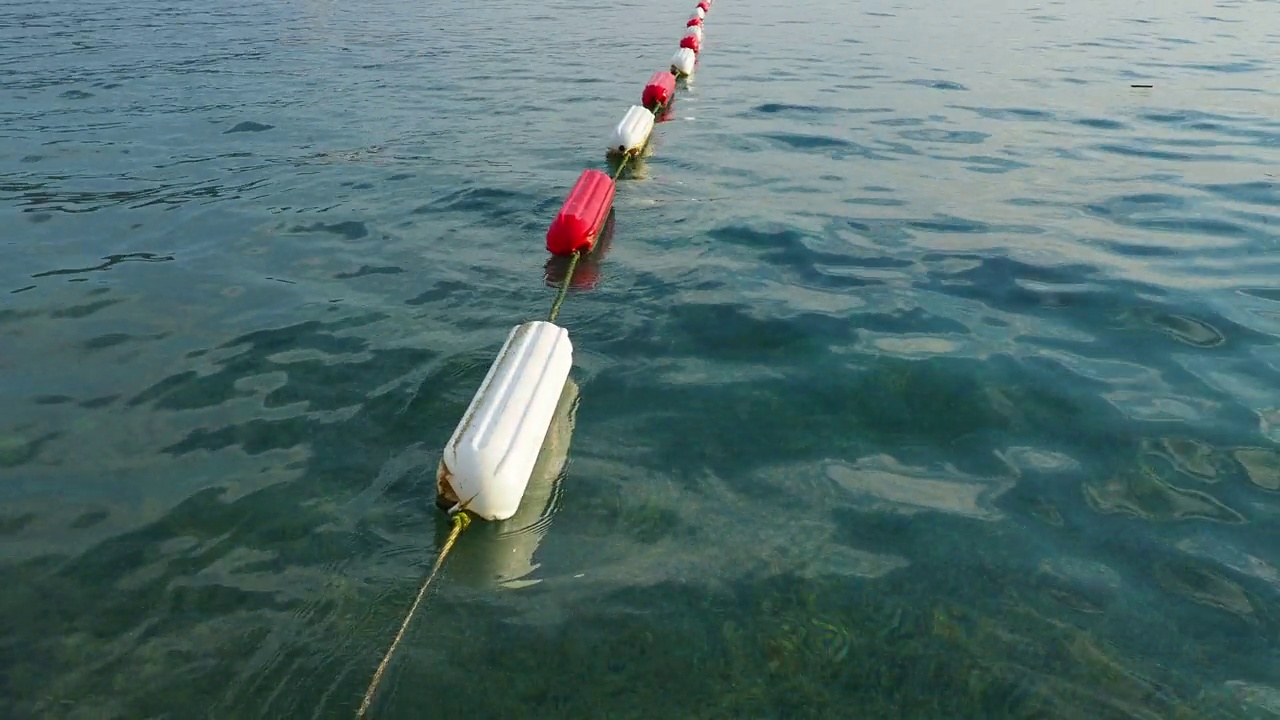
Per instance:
x=487, y=463
x=504, y=557
x=632, y=133
x=698, y=13
x=695, y=31
x=682, y=62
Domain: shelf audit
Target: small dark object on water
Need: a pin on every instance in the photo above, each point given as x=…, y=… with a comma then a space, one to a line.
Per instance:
x=1141, y=86
x=249, y=126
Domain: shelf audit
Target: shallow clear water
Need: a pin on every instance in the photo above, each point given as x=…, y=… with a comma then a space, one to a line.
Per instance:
x=931, y=370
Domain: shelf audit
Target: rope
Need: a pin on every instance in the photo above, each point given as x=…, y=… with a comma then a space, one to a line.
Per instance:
x=461, y=520
x=621, y=164
x=564, y=286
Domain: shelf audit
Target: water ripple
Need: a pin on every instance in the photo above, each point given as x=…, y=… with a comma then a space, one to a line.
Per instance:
x=932, y=350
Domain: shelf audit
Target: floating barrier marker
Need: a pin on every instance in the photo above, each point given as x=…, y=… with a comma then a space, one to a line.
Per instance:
x=682, y=62
x=586, y=273
x=659, y=91
x=506, y=557
x=632, y=132
x=491, y=454
x=487, y=464
x=582, y=216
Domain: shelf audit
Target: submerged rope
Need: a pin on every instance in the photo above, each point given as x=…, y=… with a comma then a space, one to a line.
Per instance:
x=461, y=520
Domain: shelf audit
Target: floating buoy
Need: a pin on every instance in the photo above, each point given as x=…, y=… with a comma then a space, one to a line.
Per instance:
x=694, y=31
x=692, y=42
x=504, y=555
x=682, y=62
x=487, y=463
x=699, y=13
x=583, y=214
x=695, y=20
x=631, y=133
x=660, y=90
x=586, y=274
x=705, y=6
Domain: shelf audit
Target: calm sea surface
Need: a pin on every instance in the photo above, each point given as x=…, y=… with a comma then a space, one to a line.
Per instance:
x=931, y=371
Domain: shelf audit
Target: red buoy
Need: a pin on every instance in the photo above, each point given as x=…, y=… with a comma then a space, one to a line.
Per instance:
x=583, y=214
x=705, y=5
x=661, y=87
x=692, y=42
x=586, y=275
x=694, y=21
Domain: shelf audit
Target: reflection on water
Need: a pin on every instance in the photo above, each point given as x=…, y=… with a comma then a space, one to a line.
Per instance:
x=1080, y=585
x=1205, y=586
x=926, y=369
x=1191, y=457
x=888, y=484
x=1143, y=494
x=1262, y=466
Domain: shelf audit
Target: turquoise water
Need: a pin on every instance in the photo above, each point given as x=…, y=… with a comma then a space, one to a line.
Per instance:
x=931, y=371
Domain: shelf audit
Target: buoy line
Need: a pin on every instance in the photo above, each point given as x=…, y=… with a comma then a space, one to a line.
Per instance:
x=490, y=456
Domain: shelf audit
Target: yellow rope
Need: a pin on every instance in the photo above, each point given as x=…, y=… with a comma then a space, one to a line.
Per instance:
x=564, y=286
x=621, y=164
x=461, y=520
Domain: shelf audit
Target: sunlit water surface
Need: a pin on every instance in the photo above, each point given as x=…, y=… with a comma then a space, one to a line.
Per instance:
x=931, y=371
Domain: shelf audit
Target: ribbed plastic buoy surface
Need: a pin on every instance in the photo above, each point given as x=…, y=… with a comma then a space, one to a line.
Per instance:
x=692, y=42
x=699, y=13
x=682, y=62
x=584, y=211
x=660, y=89
x=488, y=461
x=632, y=132
x=694, y=31
x=695, y=20
x=706, y=6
